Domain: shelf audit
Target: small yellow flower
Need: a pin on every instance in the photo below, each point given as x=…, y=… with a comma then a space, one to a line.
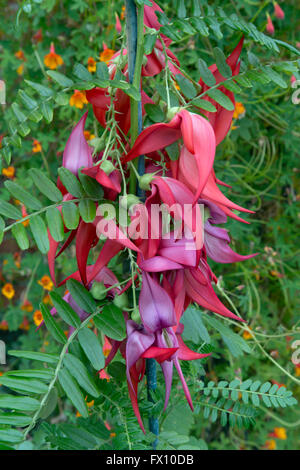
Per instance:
x=20, y=69
x=78, y=99
x=239, y=110
x=8, y=291
x=91, y=64
x=106, y=55
x=9, y=172
x=38, y=317
x=36, y=146
x=46, y=282
x=280, y=433
x=297, y=370
x=270, y=444
x=53, y=60
x=88, y=135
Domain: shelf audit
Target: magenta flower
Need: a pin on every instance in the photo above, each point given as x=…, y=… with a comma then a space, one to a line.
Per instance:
x=77, y=152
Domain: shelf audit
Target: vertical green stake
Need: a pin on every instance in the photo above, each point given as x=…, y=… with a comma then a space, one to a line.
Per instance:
x=132, y=45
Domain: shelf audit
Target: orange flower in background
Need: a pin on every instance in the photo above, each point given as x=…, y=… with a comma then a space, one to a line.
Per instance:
x=8, y=291
x=270, y=444
x=24, y=214
x=47, y=300
x=277, y=383
x=3, y=325
x=297, y=370
x=277, y=274
x=27, y=306
x=9, y=172
x=247, y=335
x=106, y=347
x=38, y=36
x=88, y=135
x=20, y=55
x=20, y=69
x=106, y=54
x=89, y=404
x=104, y=375
x=36, y=146
x=279, y=433
x=37, y=317
x=123, y=12
x=24, y=325
x=239, y=110
x=78, y=99
x=46, y=282
x=53, y=60
x=91, y=64
x=17, y=259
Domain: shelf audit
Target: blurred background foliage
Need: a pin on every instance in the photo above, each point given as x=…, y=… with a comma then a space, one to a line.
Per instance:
x=258, y=159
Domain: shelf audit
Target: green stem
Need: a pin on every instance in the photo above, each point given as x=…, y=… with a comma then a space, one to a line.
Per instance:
x=57, y=370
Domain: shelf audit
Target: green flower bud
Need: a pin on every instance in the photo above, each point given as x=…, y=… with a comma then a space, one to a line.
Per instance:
x=145, y=180
x=121, y=301
x=98, y=290
x=172, y=112
x=107, y=167
x=135, y=316
x=128, y=201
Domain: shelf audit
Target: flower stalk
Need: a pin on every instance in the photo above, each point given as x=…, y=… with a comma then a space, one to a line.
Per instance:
x=135, y=48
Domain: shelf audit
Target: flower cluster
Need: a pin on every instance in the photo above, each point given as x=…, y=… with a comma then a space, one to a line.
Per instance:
x=170, y=270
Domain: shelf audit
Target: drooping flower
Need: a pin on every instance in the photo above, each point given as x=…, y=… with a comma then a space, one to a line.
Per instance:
x=46, y=282
x=8, y=291
x=78, y=99
x=270, y=27
x=91, y=64
x=36, y=146
x=278, y=11
x=9, y=172
x=163, y=345
x=118, y=25
x=77, y=152
x=53, y=60
x=198, y=137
